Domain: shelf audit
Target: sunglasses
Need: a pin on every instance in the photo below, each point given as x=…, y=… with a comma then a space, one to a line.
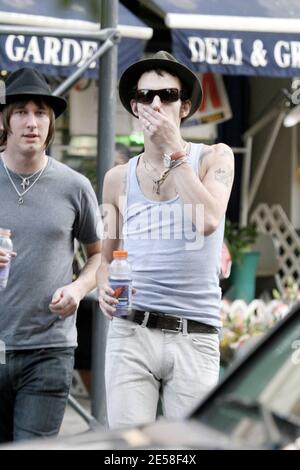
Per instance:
x=166, y=95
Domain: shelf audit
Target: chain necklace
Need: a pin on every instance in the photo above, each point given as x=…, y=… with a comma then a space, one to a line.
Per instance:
x=21, y=195
x=146, y=162
x=157, y=182
x=26, y=179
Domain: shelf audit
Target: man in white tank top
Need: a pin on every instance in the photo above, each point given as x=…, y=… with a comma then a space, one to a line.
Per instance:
x=168, y=346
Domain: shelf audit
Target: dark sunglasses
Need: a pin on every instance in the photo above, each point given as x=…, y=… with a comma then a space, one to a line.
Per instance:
x=166, y=95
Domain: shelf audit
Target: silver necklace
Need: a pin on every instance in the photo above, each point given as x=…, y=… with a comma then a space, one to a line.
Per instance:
x=146, y=162
x=21, y=195
x=26, y=179
x=157, y=182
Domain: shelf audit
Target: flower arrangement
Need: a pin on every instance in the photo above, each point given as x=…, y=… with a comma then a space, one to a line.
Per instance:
x=291, y=292
x=243, y=322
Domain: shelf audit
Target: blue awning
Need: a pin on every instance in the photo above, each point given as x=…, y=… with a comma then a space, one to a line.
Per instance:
x=61, y=56
x=259, y=37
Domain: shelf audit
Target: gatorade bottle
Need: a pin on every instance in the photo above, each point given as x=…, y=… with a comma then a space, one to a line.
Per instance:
x=120, y=280
x=6, y=245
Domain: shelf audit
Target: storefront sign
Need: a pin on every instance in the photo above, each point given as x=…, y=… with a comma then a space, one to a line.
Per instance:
x=49, y=50
x=238, y=53
x=61, y=56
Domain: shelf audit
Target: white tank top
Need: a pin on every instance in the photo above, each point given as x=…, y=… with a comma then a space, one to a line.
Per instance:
x=175, y=270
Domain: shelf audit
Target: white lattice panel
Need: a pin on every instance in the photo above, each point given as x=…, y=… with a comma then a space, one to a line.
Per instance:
x=274, y=221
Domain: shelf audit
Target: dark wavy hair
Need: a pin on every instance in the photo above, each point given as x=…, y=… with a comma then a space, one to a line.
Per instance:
x=8, y=111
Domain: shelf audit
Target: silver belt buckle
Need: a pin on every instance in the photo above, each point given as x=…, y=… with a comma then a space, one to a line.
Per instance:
x=178, y=328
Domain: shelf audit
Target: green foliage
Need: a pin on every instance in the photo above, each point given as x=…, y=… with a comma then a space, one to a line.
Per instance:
x=239, y=239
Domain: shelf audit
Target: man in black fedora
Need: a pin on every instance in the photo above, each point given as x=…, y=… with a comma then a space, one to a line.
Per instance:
x=46, y=205
x=172, y=200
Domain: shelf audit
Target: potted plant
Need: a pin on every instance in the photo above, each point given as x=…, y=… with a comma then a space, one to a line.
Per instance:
x=240, y=241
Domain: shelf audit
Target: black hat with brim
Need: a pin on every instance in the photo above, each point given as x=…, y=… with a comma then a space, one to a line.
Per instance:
x=28, y=83
x=165, y=61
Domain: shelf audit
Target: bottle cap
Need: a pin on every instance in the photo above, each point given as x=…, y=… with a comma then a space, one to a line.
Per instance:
x=120, y=254
x=4, y=232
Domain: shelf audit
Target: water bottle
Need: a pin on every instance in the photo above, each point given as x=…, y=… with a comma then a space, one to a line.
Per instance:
x=6, y=245
x=120, y=280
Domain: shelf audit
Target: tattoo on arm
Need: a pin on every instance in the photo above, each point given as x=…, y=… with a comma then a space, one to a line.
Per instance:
x=224, y=175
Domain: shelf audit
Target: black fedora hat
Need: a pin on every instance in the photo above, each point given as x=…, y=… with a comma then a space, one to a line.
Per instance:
x=28, y=82
x=165, y=61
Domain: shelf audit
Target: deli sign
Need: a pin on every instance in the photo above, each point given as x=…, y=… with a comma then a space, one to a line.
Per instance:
x=238, y=53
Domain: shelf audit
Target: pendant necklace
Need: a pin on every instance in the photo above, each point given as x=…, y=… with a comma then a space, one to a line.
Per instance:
x=157, y=182
x=25, y=182
x=26, y=179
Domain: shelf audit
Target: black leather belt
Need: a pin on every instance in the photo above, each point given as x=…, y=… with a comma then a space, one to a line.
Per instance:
x=168, y=323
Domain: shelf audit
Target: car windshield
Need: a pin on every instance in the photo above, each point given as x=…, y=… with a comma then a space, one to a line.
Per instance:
x=259, y=403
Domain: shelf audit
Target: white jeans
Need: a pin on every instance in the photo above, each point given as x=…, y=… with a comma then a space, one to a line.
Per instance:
x=143, y=363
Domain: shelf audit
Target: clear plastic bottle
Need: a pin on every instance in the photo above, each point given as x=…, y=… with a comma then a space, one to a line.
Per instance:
x=6, y=245
x=120, y=280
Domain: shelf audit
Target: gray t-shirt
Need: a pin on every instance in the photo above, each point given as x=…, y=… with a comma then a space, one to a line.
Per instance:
x=60, y=207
